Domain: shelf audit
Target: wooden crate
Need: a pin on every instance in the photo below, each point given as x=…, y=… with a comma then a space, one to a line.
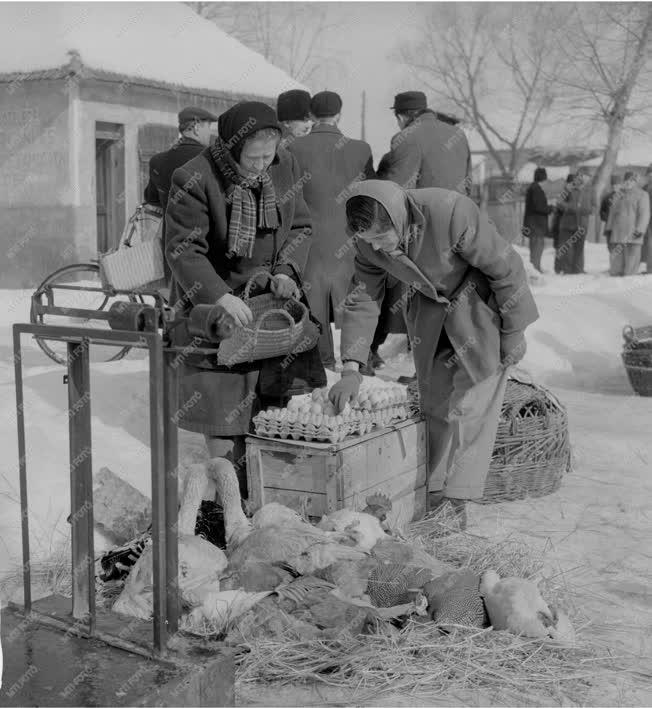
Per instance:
x=323, y=477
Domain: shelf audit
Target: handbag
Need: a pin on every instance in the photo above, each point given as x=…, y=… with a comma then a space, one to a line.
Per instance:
x=280, y=327
x=137, y=262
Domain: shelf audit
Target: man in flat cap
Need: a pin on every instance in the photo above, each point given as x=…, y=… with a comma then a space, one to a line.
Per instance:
x=293, y=112
x=330, y=164
x=195, y=134
x=429, y=151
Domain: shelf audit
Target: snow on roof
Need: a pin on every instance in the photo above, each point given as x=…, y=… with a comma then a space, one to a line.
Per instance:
x=157, y=41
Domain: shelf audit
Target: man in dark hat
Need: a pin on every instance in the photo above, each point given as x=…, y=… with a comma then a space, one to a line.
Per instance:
x=293, y=111
x=330, y=164
x=195, y=134
x=429, y=151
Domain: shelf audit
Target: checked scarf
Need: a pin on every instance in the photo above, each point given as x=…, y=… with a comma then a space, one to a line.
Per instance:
x=244, y=221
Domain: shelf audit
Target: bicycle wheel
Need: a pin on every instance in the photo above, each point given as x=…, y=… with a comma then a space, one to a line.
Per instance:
x=77, y=275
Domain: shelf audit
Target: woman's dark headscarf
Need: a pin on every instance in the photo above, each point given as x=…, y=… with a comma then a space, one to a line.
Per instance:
x=540, y=174
x=242, y=121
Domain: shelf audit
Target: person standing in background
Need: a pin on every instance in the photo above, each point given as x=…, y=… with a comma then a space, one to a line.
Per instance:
x=195, y=125
x=429, y=151
x=293, y=112
x=629, y=218
x=575, y=209
x=535, y=219
x=646, y=256
x=607, y=201
x=330, y=164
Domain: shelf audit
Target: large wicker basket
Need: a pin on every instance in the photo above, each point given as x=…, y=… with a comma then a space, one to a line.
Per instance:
x=637, y=357
x=532, y=449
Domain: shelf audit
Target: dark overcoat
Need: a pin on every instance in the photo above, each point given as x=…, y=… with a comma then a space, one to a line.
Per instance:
x=329, y=162
x=535, y=218
x=197, y=217
x=426, y=153
x=460, y=276
x=162, y=166
x=429, y=153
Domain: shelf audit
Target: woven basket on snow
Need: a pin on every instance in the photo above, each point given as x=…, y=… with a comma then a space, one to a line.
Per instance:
x=532, y=449
x=637, y=357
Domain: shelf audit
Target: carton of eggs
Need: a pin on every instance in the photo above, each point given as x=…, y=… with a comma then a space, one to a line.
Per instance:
x=313, y=417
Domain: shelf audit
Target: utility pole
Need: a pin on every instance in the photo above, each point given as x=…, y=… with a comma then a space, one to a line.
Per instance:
x=363, y=115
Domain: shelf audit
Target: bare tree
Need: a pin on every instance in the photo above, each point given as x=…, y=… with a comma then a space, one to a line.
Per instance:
x=606, y=75
x=292, y=36
x=496, y=65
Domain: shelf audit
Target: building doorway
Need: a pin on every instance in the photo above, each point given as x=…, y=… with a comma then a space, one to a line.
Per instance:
x=109, y=184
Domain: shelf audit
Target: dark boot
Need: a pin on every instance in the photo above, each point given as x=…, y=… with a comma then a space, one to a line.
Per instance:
x=368, y=369
x=376, y=361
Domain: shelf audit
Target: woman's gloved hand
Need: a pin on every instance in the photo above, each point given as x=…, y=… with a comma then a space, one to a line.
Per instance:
x=345, y=389
x=237, y=308
x=283, y=286
x=512, y=348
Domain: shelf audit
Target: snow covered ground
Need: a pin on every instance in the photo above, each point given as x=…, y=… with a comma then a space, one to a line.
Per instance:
x=597, y=527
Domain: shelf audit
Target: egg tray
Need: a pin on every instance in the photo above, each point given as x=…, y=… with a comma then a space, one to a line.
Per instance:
x=329, y=432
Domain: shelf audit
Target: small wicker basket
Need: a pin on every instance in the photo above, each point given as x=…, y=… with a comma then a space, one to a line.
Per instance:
x=280, y=327
x=637, y=357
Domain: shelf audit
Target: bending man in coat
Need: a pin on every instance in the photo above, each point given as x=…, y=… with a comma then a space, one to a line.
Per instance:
x=467, y=306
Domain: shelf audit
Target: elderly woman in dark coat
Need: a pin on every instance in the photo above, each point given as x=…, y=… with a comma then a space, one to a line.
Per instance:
x=535, y=219
x=233, y=210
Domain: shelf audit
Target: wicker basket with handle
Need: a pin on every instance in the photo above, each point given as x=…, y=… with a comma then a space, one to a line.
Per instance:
x=637, y=357
x=137, y=263
x=532, y=449
x=280, y=327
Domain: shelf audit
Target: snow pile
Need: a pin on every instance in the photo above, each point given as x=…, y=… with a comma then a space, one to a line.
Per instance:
x=162, y=41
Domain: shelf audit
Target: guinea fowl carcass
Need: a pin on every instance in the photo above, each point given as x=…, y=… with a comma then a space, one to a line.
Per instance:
x=392, y=575
x=200, y=562
x=454, y=598
x=515, y=604
x=276, y=534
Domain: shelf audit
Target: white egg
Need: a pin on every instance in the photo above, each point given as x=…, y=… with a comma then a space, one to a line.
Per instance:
x=374, y=400
x=293, y=404
x=316, y=408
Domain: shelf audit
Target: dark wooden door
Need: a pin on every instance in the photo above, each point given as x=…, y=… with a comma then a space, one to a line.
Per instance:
x=102, y=196
x=110, y=184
